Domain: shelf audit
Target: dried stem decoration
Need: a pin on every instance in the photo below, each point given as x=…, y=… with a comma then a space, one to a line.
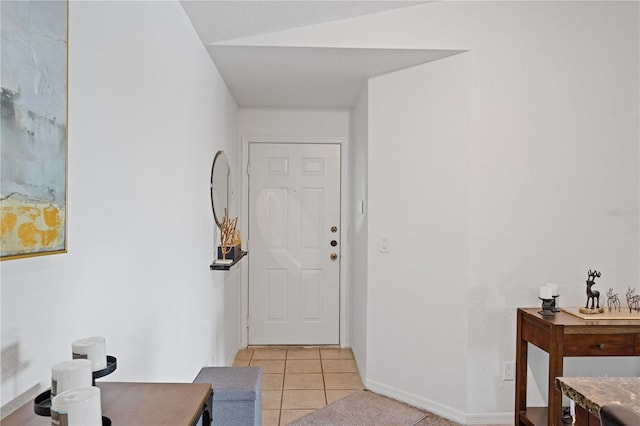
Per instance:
x=227, y=233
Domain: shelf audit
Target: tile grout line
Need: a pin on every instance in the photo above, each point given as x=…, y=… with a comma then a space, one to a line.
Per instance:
x=284, y=373
x=324, y=383
x=324, y=386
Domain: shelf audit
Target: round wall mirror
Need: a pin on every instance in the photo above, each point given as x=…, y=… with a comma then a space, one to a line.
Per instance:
x=220, y=192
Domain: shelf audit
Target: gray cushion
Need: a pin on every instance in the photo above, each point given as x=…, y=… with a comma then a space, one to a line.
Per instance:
x=232, y=383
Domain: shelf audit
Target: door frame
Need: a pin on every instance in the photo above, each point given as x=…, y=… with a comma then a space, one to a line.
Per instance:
x=344, y=226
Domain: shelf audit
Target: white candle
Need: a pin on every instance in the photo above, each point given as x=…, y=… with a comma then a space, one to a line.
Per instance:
x=554, y=288
x=77, y=407
x=545, y=292
x=70, y=375
x=93, y=349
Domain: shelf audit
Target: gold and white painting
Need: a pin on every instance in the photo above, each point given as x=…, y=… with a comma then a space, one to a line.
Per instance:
x=33, y=138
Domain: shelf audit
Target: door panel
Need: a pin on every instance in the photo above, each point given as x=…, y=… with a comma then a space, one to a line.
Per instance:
x=277, y=295
x=294, y=200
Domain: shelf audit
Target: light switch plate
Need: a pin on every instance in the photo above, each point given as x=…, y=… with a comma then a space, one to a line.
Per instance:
x=384, y=244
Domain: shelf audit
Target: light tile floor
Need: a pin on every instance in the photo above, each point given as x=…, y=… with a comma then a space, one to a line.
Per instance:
x=298, y=380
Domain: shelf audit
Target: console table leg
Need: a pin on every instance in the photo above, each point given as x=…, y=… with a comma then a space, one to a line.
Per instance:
x=556, y=362
x=521, y=372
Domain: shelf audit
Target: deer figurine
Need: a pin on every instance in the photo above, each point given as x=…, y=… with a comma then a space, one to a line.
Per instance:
x=633, y=300
x=613, y=301
x=594, y=295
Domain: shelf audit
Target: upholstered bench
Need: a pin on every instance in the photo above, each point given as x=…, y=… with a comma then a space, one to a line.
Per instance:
x=237, y=394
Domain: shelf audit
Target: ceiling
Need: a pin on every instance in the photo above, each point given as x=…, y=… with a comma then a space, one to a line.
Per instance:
x=308, y=76
x=281, y=76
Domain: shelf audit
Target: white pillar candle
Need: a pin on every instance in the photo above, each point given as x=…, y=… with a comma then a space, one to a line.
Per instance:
x=77, y=407
x=72, y=374
x=545, y=292
x=554, y=288
x=93, y=349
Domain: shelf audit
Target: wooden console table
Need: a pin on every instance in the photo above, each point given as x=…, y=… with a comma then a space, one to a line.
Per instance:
x=135, y=404
x=565, y=335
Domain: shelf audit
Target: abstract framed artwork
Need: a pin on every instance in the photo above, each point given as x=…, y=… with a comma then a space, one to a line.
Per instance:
x=33, y=136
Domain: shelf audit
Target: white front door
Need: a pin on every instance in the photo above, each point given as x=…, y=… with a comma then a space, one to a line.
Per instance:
x=294, y=243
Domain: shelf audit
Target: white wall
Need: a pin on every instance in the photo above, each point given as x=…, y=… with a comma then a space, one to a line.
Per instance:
x=330, y=122
x=556, y=130
x=553, y=171
x=147, y=112
x=418, y=199
x=358, y=233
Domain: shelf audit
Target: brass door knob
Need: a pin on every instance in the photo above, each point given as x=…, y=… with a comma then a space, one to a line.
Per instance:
x=333, y=256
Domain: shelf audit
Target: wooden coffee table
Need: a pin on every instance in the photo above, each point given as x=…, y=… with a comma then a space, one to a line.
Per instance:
x=135, y=404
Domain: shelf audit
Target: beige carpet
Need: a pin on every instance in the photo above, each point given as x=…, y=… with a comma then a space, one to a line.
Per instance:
x=364, y=408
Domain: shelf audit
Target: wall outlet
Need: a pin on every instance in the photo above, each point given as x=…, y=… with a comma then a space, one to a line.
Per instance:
x=509, y=371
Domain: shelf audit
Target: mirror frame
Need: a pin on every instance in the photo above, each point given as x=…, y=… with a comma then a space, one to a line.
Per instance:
x=218, y=162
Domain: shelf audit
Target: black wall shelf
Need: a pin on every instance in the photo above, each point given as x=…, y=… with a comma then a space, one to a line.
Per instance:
x=225, y=267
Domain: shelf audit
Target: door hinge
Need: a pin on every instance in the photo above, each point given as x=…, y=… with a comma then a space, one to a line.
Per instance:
x=248, y=321
x=248, y=168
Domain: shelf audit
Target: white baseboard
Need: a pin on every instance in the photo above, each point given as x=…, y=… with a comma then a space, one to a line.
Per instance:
x=490, y=418
x=417, y=401
x=440, y=409
x=20, y=400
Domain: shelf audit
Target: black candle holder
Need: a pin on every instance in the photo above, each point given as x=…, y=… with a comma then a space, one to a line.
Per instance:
x=42, y=403
x=554, y=304
x=546, y=307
